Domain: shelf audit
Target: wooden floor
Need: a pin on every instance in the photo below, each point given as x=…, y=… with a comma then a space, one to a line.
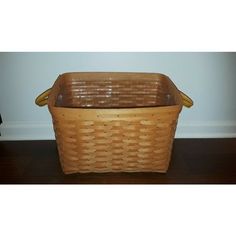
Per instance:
x=194, y=161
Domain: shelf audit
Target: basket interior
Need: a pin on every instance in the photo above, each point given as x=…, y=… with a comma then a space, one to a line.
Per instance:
x=115, y=91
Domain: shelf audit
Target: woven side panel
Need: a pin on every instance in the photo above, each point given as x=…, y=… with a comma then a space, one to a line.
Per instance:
x=114, y=93
x=96, y=146
x=67, y=143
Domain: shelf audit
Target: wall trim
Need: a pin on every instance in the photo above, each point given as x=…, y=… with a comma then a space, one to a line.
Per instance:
x=26, y=131
x=44, y=131
x=214, y=129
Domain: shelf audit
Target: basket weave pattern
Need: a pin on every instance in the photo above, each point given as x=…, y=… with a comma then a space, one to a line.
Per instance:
x=114, y=122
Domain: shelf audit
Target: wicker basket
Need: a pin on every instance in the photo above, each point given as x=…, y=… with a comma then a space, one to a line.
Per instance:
x=114, y=122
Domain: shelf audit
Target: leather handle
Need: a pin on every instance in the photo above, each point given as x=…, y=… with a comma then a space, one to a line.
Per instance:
x=42, y=99
x=187, y=101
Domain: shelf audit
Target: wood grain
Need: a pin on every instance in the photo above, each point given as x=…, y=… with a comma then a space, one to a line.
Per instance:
x=194, y=161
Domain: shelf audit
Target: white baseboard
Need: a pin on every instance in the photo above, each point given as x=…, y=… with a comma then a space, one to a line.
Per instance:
x=26, y=131
x=44, y=131
x=214, y=129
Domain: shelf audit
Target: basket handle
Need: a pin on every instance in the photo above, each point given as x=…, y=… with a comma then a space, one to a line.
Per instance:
x=187, y=101
x=42, y=99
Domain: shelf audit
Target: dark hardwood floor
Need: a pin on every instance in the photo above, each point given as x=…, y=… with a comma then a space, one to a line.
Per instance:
x=194, y=161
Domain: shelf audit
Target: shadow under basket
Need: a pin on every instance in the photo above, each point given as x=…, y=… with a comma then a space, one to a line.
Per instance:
x=114, y=122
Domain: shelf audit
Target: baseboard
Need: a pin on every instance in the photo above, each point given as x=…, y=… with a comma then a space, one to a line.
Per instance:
x=213, y=129
x=44, y=131
x=26, y=131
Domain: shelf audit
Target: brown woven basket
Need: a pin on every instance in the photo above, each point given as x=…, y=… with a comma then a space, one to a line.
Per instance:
x=114, y=122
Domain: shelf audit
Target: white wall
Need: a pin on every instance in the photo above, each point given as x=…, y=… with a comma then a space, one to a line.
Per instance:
x=209, y=78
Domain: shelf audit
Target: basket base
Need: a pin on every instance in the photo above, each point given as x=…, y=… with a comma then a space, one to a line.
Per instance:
x=114, y=171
